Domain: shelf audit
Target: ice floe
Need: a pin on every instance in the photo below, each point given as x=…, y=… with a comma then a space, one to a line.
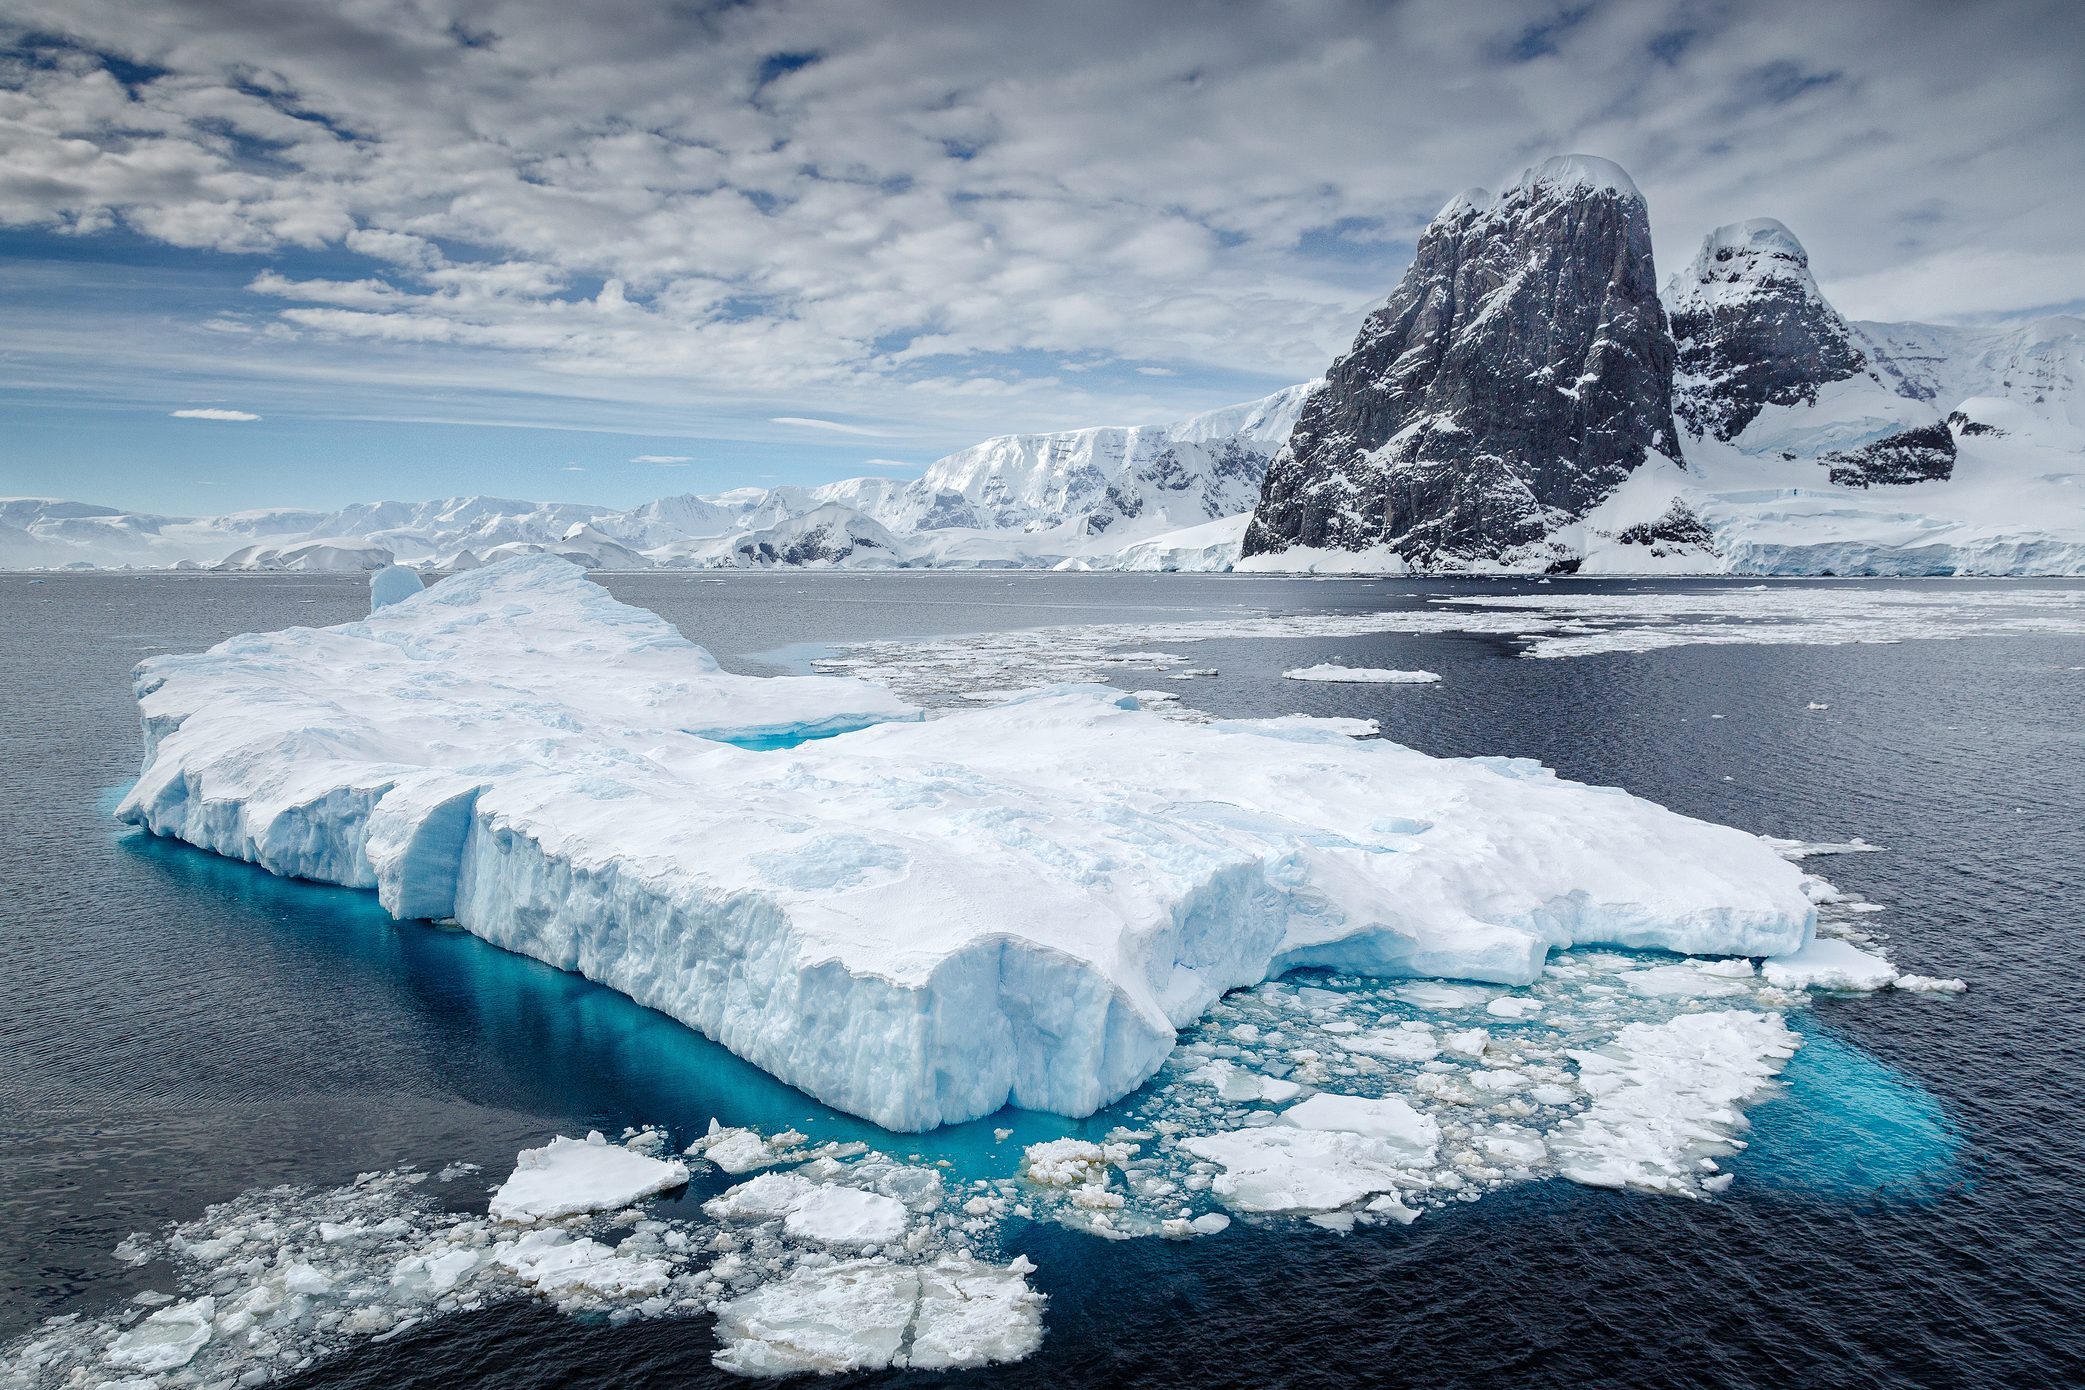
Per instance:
x=914, y=921
x=1360, y=675
x=569, y=1176
x=1564, y=622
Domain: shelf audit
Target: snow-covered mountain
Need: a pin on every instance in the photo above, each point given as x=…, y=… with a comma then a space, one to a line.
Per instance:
x=1525, y=400
x=1076, y=497
x=1519, y=372
x=1454, y=434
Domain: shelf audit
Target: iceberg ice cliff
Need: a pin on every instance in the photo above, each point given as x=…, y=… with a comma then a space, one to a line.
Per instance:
x=918, y=922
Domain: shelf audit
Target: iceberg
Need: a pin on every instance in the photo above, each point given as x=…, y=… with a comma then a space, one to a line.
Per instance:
x=915, y=921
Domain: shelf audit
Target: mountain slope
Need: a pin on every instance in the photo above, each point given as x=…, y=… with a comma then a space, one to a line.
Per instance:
x=1520, y=371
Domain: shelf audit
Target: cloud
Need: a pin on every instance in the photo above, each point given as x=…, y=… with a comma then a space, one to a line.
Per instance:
x=571, y=468
x=1156, y=371
x=213, y=413
x=832, y=426
x=663, y=458
x=642, y=205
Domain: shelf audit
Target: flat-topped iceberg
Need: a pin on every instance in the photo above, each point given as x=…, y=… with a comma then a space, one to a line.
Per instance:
x=915, y=921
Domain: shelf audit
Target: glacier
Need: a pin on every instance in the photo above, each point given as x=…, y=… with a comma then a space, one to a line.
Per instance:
x=917, y=921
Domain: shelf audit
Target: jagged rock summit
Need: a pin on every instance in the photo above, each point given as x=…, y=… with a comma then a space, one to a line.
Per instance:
x=1754, y=332
x=1752, y=329
x=1520, y=371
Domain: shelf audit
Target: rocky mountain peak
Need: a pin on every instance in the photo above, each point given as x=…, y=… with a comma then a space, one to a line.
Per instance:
x=1521, y=369
x=1753, y=330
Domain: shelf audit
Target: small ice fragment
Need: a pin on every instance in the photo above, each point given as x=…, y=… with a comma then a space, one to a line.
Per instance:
x=1430, y=994
x=759, y=1199
x=1360, y=675
x=569, y=1176
x=833, y=1215
x=1829, y=964
x=167, y=1339
x=1928, y=984
x=1470, y=1042
x=1390, y=1119
x=1678, y=981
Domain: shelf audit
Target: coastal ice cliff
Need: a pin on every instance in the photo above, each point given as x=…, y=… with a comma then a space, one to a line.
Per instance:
x=918, y=921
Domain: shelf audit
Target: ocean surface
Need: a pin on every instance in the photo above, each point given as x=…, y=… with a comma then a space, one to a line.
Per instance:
x=176, y=1029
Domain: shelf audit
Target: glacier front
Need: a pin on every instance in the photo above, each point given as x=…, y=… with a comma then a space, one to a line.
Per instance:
x=917, y=921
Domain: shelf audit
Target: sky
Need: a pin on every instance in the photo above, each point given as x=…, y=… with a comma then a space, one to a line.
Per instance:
x=271, y=252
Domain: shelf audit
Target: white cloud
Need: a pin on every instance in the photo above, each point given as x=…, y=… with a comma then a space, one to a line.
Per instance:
x=831, y=426
x=663, y=458
x=1156, y=371
x=594, y=207
x=213, y=413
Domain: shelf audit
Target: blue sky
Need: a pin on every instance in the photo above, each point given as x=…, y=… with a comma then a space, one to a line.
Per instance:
x=454, y=246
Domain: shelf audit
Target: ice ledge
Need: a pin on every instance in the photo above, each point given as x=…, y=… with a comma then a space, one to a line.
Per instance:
x=918, y=923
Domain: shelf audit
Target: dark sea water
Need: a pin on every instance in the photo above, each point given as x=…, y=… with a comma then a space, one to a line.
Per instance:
x=176, y=1028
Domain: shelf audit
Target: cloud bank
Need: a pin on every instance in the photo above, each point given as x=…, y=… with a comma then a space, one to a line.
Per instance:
x=998, y=217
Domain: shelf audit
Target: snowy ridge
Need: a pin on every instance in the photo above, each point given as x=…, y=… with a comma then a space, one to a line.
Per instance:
x=914, y=922
x=1033, y=500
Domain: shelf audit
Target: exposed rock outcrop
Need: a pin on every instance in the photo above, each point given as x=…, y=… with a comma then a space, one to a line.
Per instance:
x=1520, y=371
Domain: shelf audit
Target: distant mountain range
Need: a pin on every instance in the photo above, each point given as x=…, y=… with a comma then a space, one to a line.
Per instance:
x=1527, y=399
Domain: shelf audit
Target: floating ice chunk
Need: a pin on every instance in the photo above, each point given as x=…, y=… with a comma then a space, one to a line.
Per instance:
x=1071, y=1162
x=1661, y=981
x=167, y=1339
x=833, y=1215
x=1826, y=963
x=1401, y=1045
x=918, y=922
x=1360, y=675
x=1666, y=1095
x=1414, y=1136
x=1427, y=994
x=759, y=1199
x=873, y=1314
x=562, y=1267
x=392, y=584
x=1513, y=1006
x=1929, y=984
x=438, y=1272
x=1389, y=1205
x=569, y=1176
x=1470, y=1042
x=1310, y=726
x=1281, y=1168
x=1233, y=1082
x=740, y=1150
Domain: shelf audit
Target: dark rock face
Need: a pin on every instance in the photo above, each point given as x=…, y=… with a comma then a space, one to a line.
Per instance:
x=1519, y=372
x=1962, y=424
x=1752, y=330
x=1922, y=455
x=1680, y=530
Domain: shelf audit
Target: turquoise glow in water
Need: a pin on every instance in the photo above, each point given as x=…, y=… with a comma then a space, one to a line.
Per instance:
x=1845, y=1124
x=528, y=1036
x=1848, y=1125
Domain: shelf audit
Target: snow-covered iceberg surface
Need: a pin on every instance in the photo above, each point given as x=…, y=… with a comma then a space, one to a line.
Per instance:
x=916, y=922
